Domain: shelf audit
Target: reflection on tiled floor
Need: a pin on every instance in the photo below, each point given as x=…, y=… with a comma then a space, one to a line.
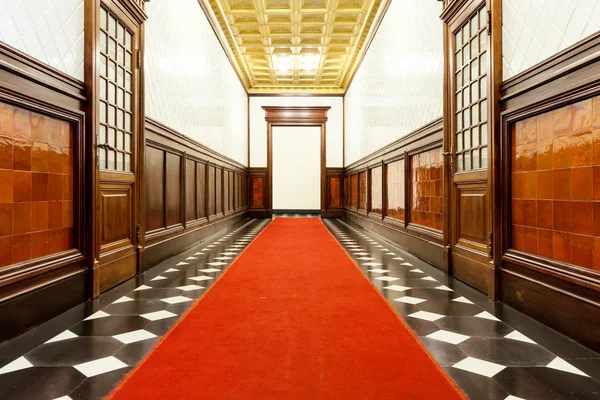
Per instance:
x=85, y=352
x=489, y=349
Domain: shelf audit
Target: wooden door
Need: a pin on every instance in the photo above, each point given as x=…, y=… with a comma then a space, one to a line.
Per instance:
x=117, y=144
x=469, y=135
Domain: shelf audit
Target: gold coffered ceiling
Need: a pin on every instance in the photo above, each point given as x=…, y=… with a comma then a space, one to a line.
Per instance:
x=282, y=46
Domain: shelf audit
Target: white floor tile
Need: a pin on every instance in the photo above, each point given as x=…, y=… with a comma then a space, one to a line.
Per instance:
x=360, y=253
x=372, y=264
x=192, y=258
x=561, y=365
x=397, y=288
x=418, y=271
x=143, y=287
x=158, y=315
x=63, y=398
x=426, y=315
x=134, y=336
x=201, y=278
x=410, y=300
x=365, y=258
x=511, y=397
x=123, y=299
x=209, y=270
x=230, y=253
x=189, y=288
x=448, y=337
x=224, y=258
x=379, y=271
x=462, y=299
x=158, y=278
x=63, y=336
x=96, y=315
x=487, y=315
x=428, y=278
x=398, y=258
x=198, y=254
x=176, y=299
x=216, y=263
x=516, y=335
x=100, y=366
x=17, y=365
x=407, y=264
x=390, y=254
x=172, y=270
x=480, y=367
x=387, y=278
x=444, y=288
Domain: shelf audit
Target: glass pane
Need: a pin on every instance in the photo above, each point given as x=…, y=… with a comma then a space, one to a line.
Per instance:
x=459, y=163
x=103, y=89
x=112, y=70
x=466, y=96
x=102, y=112
x=127, y=101
x=466, y=34
x=467, y=156
x=459, y=124
x=467, y=136
x=111, y=160
x=458, y=40
x=120, y=95
x=121, y=76
x=466, y=75
x=475, y=159
x=112, y=26
x=103, y=41
x=120, y=54
x=103, y=19
x=474, y=25
x=111, y=92
x=119, y=161
x=459, y=100
x=484, y=110
x=474, y=71
x=475, y=136
x=483, y=85
x=483, y=62
x=482, y=17
x=475, y=91
x=474, y=48
x=467, y=118
x=458, y=59
x=103, y=65
x=127, y=162
x=120, y=119
x=121, y=34
x=128, y=122
x=128, y=41
x=127, y=142
x=484, y=134
x=474, y=115
x=112, y=45
x=483, y=41
x=102, y=137
x=128, y=81
x=111, y=137
x=111, y=115
x=459, y=145
x=484, y=157
x=128, y=61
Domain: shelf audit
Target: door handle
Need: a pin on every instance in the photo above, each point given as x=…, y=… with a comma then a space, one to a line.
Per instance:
x=106, y=146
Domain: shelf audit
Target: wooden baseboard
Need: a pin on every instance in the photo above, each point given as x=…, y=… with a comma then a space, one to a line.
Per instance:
x=25, y=312
x=159, y=251
x=430, y=250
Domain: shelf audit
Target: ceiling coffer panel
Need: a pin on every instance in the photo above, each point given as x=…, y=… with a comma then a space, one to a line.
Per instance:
x=282, y=46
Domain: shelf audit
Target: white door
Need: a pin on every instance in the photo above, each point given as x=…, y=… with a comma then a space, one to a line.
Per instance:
x=296, y=167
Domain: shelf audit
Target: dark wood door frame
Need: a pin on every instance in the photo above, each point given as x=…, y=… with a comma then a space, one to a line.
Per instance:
x=296, y=116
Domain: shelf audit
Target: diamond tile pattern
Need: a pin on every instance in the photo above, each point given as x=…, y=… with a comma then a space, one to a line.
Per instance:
x=398, y=87
x=533, y=30
x=190, y=85
x=49, y=30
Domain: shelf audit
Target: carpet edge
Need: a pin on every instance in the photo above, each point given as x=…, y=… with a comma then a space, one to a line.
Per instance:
x=410, y=331
x=181, y=319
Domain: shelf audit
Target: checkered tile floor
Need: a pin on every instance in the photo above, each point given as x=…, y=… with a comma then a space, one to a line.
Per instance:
x=490, y=350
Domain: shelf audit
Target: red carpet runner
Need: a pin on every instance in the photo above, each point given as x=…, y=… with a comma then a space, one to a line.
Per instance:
x=292, y=318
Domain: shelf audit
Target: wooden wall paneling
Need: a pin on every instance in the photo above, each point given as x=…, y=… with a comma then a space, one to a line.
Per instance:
x=226, y=192
x=191, y=190
x=530, y=281
x=38, y=100
x=192, y=186
x=425, y=242
x=335, y=192
x=258, y=193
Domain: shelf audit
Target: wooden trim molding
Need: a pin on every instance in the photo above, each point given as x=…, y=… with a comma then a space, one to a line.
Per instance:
x=529, y=282
x=295, y=116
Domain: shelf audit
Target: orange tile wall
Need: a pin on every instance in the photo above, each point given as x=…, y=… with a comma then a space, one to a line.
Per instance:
x=556, y=184
x=362, y=179
x=36, y=185
x=426, y=203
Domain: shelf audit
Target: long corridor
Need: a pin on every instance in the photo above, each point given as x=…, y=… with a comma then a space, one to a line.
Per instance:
x=488, y=349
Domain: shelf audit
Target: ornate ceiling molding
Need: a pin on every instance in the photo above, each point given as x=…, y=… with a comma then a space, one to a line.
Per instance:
x=295, y=46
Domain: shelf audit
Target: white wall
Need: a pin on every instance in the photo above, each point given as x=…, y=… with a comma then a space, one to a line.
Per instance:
x=399, y=85
x=49, y=30
x=190, y=84
x=533, y=30
x=258, y=126
x=296, y=168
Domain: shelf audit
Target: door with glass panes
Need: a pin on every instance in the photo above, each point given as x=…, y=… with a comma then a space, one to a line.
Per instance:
x=117, y=214
x=470, y=217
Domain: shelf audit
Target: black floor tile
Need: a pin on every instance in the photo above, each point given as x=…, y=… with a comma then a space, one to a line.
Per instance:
x=41, y=383
x=132, y=353
x=109, y=326
x=477, y=387
x=74, y=351
x=473, y=326
x=507, y=352
x=446, y=354
x=99, y=386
